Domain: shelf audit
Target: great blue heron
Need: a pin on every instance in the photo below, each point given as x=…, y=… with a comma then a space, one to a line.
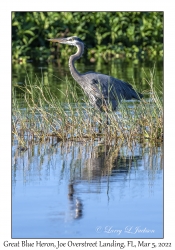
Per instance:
x=104, y=92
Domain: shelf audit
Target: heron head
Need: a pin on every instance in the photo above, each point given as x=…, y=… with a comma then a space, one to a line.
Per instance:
x=73, y=40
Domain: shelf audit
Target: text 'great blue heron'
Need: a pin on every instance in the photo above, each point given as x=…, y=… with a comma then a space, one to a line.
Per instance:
x=104, y=91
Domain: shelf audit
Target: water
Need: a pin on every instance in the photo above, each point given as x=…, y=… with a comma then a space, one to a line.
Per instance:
x=86, y=189
x=53, y=74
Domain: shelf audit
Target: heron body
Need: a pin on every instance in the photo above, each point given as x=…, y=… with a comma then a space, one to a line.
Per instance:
x=104, y=91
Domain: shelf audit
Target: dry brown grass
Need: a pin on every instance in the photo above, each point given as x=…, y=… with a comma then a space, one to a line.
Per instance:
x=45, y=118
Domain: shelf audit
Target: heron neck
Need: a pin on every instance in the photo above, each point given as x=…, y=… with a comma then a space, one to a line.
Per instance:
x=75, y=74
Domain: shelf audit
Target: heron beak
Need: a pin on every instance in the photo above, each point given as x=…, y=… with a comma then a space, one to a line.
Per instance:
x=57, y=40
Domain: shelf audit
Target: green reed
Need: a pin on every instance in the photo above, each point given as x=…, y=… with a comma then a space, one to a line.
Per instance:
x=44, y=117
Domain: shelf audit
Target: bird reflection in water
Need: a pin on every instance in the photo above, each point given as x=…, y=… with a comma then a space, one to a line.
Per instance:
x=100, y=162
x=76, y=203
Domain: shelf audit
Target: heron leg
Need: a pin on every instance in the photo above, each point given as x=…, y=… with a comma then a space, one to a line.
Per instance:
x=107, y=119
x=100, y=124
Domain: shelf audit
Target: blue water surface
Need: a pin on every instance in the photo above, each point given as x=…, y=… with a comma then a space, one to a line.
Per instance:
x=87, y=190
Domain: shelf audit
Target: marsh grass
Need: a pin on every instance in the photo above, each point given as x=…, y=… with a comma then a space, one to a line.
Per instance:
x=42, y=117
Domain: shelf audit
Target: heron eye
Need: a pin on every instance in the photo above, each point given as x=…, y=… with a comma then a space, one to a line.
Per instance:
x=71, y=39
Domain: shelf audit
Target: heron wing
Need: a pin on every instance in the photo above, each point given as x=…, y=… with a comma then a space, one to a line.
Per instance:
x=111, y=88
x=104, y=90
